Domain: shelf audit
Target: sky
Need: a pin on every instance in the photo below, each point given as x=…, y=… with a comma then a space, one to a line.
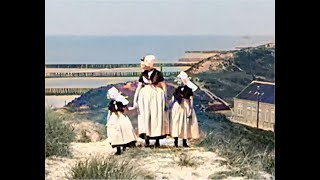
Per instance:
x=160, y=17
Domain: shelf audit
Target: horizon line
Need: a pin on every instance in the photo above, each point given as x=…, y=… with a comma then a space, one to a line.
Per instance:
x=243, y=35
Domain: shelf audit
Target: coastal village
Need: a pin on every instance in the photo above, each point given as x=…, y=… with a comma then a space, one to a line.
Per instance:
x=251, y=108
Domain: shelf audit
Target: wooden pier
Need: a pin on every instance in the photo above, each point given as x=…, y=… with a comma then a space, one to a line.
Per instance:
x=102, y=66
x=100, y=74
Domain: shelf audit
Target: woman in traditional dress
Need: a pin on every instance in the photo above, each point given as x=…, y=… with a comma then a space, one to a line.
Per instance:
x=150, y=99
x=119, y=128
x=184, y=123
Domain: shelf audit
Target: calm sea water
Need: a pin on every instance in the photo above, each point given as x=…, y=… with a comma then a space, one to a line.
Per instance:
x=85, y=82
x=129, y=49
x=59, y=101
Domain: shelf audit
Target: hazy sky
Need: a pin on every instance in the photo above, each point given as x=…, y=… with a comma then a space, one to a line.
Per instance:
x=160, y=17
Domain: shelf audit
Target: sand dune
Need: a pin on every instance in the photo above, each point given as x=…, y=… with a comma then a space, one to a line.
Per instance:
x=161, y=162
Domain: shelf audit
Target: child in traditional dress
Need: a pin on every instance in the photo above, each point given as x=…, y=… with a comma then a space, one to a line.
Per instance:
x=119, y=128
x=184, y=123
x=150, y=99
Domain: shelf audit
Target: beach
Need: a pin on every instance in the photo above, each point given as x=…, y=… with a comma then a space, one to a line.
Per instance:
x=59, y=101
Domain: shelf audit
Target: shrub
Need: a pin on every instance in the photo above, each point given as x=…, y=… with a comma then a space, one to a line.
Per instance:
x=58, y=135
x=84, y=138
x=187, y=160
x=108, y=168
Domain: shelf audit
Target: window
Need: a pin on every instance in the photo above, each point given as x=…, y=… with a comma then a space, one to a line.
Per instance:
x=239, y=111
x=248, y=111
x=254, y=113
x=266, y=116
x=248, y=114
x=260, y=114
x=272, y=116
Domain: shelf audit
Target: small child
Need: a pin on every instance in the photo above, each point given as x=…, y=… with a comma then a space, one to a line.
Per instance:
x=184, y=123
x=119, y=128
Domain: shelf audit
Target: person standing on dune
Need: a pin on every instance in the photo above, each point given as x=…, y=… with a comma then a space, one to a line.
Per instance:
x=184, y=123
x=150, y=99
x=119, y=128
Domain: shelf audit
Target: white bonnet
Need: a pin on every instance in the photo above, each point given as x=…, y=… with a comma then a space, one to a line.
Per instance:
x=191, y=85
x=183, y=75
x=115, y=94
x=149, y=60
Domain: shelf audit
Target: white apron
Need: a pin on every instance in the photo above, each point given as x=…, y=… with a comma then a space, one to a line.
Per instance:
x=181, y=125
x=120, y=130
x=152, y=118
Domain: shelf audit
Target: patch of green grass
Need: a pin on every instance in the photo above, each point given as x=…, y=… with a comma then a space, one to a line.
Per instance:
x=84, y=137
x=108, y=168
x=246, y=149
x=58, y=135
x=226, y=85
x=185, y=159
x=234, y=173
x=102, y=131
x=138, y=153
x=259, y=61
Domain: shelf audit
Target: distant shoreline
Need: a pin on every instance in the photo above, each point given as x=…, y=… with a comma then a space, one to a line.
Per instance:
x=130, y=49
x=155, y=35
x=59, y=101
x=112, y=66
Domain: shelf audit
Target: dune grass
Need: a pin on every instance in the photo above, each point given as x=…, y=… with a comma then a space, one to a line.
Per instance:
x=58, y=135
x=247, y=150
x=108, y=168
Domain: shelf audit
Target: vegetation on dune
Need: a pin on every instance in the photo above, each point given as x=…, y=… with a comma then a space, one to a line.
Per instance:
x=108, y=168
x=258, y=61
x=226, y=85
x=247, y=150
x=58, y=135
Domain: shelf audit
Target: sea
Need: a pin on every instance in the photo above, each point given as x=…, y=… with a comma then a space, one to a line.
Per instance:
x=129, y=49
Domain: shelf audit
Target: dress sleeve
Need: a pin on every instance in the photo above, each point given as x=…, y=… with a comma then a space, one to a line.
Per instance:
x=188, y=93
x=122, y=105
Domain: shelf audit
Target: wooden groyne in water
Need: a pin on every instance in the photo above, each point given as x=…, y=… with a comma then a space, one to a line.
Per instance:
x=102, y=66
x=66, y=91
x=213, y=51
x=100, y=74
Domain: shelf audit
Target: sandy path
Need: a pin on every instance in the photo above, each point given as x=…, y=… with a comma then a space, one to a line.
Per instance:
x=57, y=167
x=162, y=162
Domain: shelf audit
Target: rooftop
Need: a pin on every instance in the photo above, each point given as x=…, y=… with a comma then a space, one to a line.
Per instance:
x=266, y=90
